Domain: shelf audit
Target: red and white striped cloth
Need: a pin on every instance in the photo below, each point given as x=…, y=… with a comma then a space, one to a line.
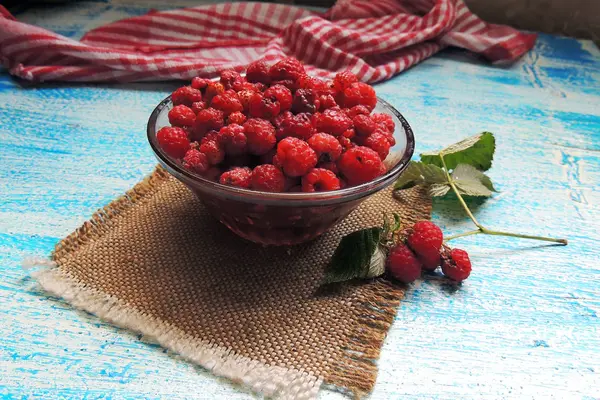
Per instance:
x=375, y=39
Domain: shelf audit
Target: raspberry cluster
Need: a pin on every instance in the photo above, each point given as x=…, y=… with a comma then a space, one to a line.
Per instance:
x=423, y=249
x=277, y=129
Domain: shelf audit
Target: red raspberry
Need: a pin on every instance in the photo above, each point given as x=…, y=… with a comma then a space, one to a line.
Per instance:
x=345, y=142
x=281, y=94
x=389, y=135
x=196, y=161
x=213, y=151
x=430, y=261
x=200, y=83
x=288, y=83
x=239, y=177
x=305, y=101
x=198, y=106
x=330, y=166
x=379, y=143
x=289, y=68
x=227, y=102
x=402, y=264
x=457, y=266
x=181, y=116
x=186, y=95
x=278, y=120
x=360, y=94
x=307, y=82
x=259, y=87
x=363, y=125
x=232, y=139
x=295, y=157
x=209, y=137
x=326, y=101
x=263, y=107
x=228, y=77
x=261, y=136
x=332, y=121
x=213, y=89
x=207, y=120
x=350, y=134
x=343, y=80
x=245, y=96
x=258, y=71
x=357, y=110
x=426, y=239
x=212, y=174
x=327, y=147
x=360, y=164
x=243, y=84
x=385, y=121
x=299, y=126
x=320, y=180
x=236, y=118
x=174, y=141
x=268, y=178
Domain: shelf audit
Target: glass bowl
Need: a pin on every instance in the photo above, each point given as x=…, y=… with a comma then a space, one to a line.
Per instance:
x=283, y=218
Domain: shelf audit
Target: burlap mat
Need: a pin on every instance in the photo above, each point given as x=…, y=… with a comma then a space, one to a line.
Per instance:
x=155, y=262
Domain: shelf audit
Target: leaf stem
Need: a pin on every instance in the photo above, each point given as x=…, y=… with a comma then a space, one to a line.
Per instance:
x=458, y=235
x=522, y=236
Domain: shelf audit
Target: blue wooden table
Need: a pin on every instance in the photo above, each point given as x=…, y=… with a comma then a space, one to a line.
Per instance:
x=525, y=324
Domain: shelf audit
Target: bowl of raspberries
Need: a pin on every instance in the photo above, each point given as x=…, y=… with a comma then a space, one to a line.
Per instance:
x=276, y=155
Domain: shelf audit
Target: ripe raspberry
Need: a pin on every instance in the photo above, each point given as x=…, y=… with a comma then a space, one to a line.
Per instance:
x=244, y=96
x=210, y=136
x=281, y=94
x=345, y=142
x=242, y=84
x=263, y=107
x=213, y=151
x=430, y=261
x=378, y=142
x=198, y=106
x=195, y=161
x=360, y=93
x=239, y=177
x=236, y=118
x=299, y=126
x=181, y=116
x=232, y=139
x=332, y=121
x=287, y=69
x=174, y=141
x=360, y=164
x=207, y=120
x=305, y=101
x=278, y=120
x=307, y=82
x=330, y=166
x=457, y=266
x=213, y=89
x=426, y=239
x=258, y=71
x=357, y=110
x=363, y=125
x=327, y=147
x=186, y=95
x=200, y=83
x=343, y=80
x=288, y=83
x=295, y=157
x=268, y=178
x=389, y=135
x=261, y=136
x=385, y=121
x=326, y=101
x=228, y=77
x=320, y=180
x=227, y=102
x=402, y=264
x=350, y=134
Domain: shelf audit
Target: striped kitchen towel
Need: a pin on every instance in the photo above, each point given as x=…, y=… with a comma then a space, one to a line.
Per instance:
x=375, y=39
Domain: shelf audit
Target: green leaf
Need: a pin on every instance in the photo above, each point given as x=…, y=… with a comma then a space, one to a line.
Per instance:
x=471, y=182
x=477, y=151
x=352, y=258
x=397, y=222
x=439, y=189
x=418, y=173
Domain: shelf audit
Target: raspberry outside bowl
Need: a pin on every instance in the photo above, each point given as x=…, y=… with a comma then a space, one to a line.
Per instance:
x=283, y=218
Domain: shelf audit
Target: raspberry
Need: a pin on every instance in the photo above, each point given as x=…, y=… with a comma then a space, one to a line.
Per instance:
x=385, y=121
x=457, y=266
x=181, y=116
x=259, y=87
x=305, y=101
x=228, y=77
x=307, y=82
x=242, y=84
x=268, y=178
x=236, y=118
x=426, y=239
x=330, y=166
x=227, y=102
x=239, y=177
x=213, y=151
x=244, y=96
x=287, y=69
x=378, y=142
x=360, y=93
x=326, y=101
x=196, y=161
x=350, y=134
x=343, y=80
x=278, y=120
x=288, y=83
x=198, y=106
x=357, y=110
x=389, y=135
x=345, y=142
x=299, y=126
x=327, y=147
x=261, y=136
x=209, y=137
x=360, y=164
x=233, y=139
x=200, y=83
x=320, y=180
x=332, y=121
x=402, y=264
x=430, y=261
x=258, y=71
x=281, y=94
x=213, y=89
x=186, y=95
x=363, y=125
x=295, y=156
x=206, y=120
x=263, y=107
x=174, y=141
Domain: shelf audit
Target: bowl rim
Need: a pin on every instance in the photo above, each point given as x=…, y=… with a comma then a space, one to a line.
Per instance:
x=361, y=190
